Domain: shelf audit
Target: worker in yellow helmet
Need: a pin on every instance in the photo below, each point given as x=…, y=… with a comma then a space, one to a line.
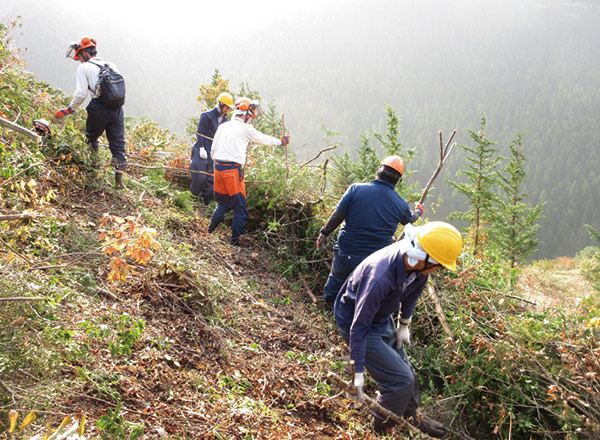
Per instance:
x=389, y=281
x=202, y=183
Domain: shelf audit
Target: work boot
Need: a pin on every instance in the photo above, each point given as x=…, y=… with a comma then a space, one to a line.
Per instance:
x=213, y=225
x=429, y=426
x=382, y=426
x=235, y=238
x=119, y=180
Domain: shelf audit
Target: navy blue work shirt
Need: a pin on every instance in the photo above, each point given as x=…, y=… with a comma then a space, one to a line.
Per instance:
x=207, y=126
x=378, y=287
x=372, y=212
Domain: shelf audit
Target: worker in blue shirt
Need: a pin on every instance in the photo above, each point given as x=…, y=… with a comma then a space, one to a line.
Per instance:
x=372, y=212
x=202, y=184
x=389, y=281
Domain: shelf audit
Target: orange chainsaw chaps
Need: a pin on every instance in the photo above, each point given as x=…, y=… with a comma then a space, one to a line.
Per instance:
x=230, y=182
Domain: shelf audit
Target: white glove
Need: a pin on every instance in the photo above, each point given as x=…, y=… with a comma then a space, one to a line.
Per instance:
x=402, y=333
x=359, y=381
x=203, y=154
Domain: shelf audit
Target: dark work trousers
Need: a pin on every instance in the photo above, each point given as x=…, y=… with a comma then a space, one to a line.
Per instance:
x=101, y=118
x=342, y=266
x=202, y=184
x=389, y=366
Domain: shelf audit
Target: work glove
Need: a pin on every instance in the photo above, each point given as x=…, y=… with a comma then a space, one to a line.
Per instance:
x=285, y=140
x=64, y=112
x=321, y=239
x=419, y=208
x=203, y=154
x=359, y=381
x=402, y=333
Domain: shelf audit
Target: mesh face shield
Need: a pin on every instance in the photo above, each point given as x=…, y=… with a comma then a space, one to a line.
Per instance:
x=72, y=51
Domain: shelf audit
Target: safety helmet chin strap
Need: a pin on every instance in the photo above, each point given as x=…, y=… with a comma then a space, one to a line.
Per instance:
x=411, y=247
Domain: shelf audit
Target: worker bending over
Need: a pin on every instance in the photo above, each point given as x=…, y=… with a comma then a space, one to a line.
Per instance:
x=389, y=281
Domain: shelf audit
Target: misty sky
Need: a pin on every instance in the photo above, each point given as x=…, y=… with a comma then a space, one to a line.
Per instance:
x=258, y=42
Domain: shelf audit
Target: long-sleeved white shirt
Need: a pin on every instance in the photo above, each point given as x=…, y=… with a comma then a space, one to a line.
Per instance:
x=87, y=78
x=231, y=141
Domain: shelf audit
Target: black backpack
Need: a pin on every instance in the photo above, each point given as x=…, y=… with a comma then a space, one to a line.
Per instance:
x=110, y=87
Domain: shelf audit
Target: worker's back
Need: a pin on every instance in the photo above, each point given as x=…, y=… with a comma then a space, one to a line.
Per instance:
x=372, y=213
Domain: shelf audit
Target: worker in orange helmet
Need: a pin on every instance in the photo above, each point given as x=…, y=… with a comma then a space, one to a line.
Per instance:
x=371, y=213
x=229, y=155
x=100, y=117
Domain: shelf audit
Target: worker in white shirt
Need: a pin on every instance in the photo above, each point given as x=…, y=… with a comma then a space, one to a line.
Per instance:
x=229, y=156
x=102, y=115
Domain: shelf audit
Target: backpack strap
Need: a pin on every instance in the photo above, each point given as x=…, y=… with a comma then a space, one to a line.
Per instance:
x=101, y=67
x=105, y=64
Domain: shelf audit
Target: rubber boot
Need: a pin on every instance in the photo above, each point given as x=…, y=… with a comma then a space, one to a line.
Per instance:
x=235, y=238
x=119, y=180
x=213, y=225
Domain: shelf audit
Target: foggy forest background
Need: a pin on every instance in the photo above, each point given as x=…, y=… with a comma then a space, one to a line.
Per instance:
x=533, y=67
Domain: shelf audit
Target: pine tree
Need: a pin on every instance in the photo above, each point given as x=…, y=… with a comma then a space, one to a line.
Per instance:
x=368, y=162
x=482, y=181
x=516, y=224
x=389, y=139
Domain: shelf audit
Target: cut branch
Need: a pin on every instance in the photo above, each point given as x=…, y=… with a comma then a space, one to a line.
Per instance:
x=308, y=290
x=37, y=164
x=439, y=310
x=332, y=377
x=19, y=129
x=444, y=153
x=317, y=156
x=20, y=216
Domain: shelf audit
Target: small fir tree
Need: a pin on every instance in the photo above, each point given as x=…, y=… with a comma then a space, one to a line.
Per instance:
x=516, y=223
x=482, y=181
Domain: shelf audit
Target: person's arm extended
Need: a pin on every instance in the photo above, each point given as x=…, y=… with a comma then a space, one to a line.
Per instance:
x=81, y=88
x=334, y=221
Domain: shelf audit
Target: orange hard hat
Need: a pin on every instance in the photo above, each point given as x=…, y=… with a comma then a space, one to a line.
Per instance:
x=394, y=162
x=246, y=105
x=75, y=48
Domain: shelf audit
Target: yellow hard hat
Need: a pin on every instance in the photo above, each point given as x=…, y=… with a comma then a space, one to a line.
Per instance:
x=442, y=241
x=226, y=98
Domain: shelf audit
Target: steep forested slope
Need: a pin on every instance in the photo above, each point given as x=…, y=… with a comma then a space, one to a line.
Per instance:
x=118, y=306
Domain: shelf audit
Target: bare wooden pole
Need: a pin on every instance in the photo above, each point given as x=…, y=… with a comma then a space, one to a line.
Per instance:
x=444, y=153
x=346, y=386
x=23, y=298
x=287, y=168
x=22, y=130
x=20, y=216
x=204, y=136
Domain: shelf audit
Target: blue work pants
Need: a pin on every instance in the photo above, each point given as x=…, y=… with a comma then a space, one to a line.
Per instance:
x=389, y=366
x=342, y=266
x=100, y=119
x=202, y=184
